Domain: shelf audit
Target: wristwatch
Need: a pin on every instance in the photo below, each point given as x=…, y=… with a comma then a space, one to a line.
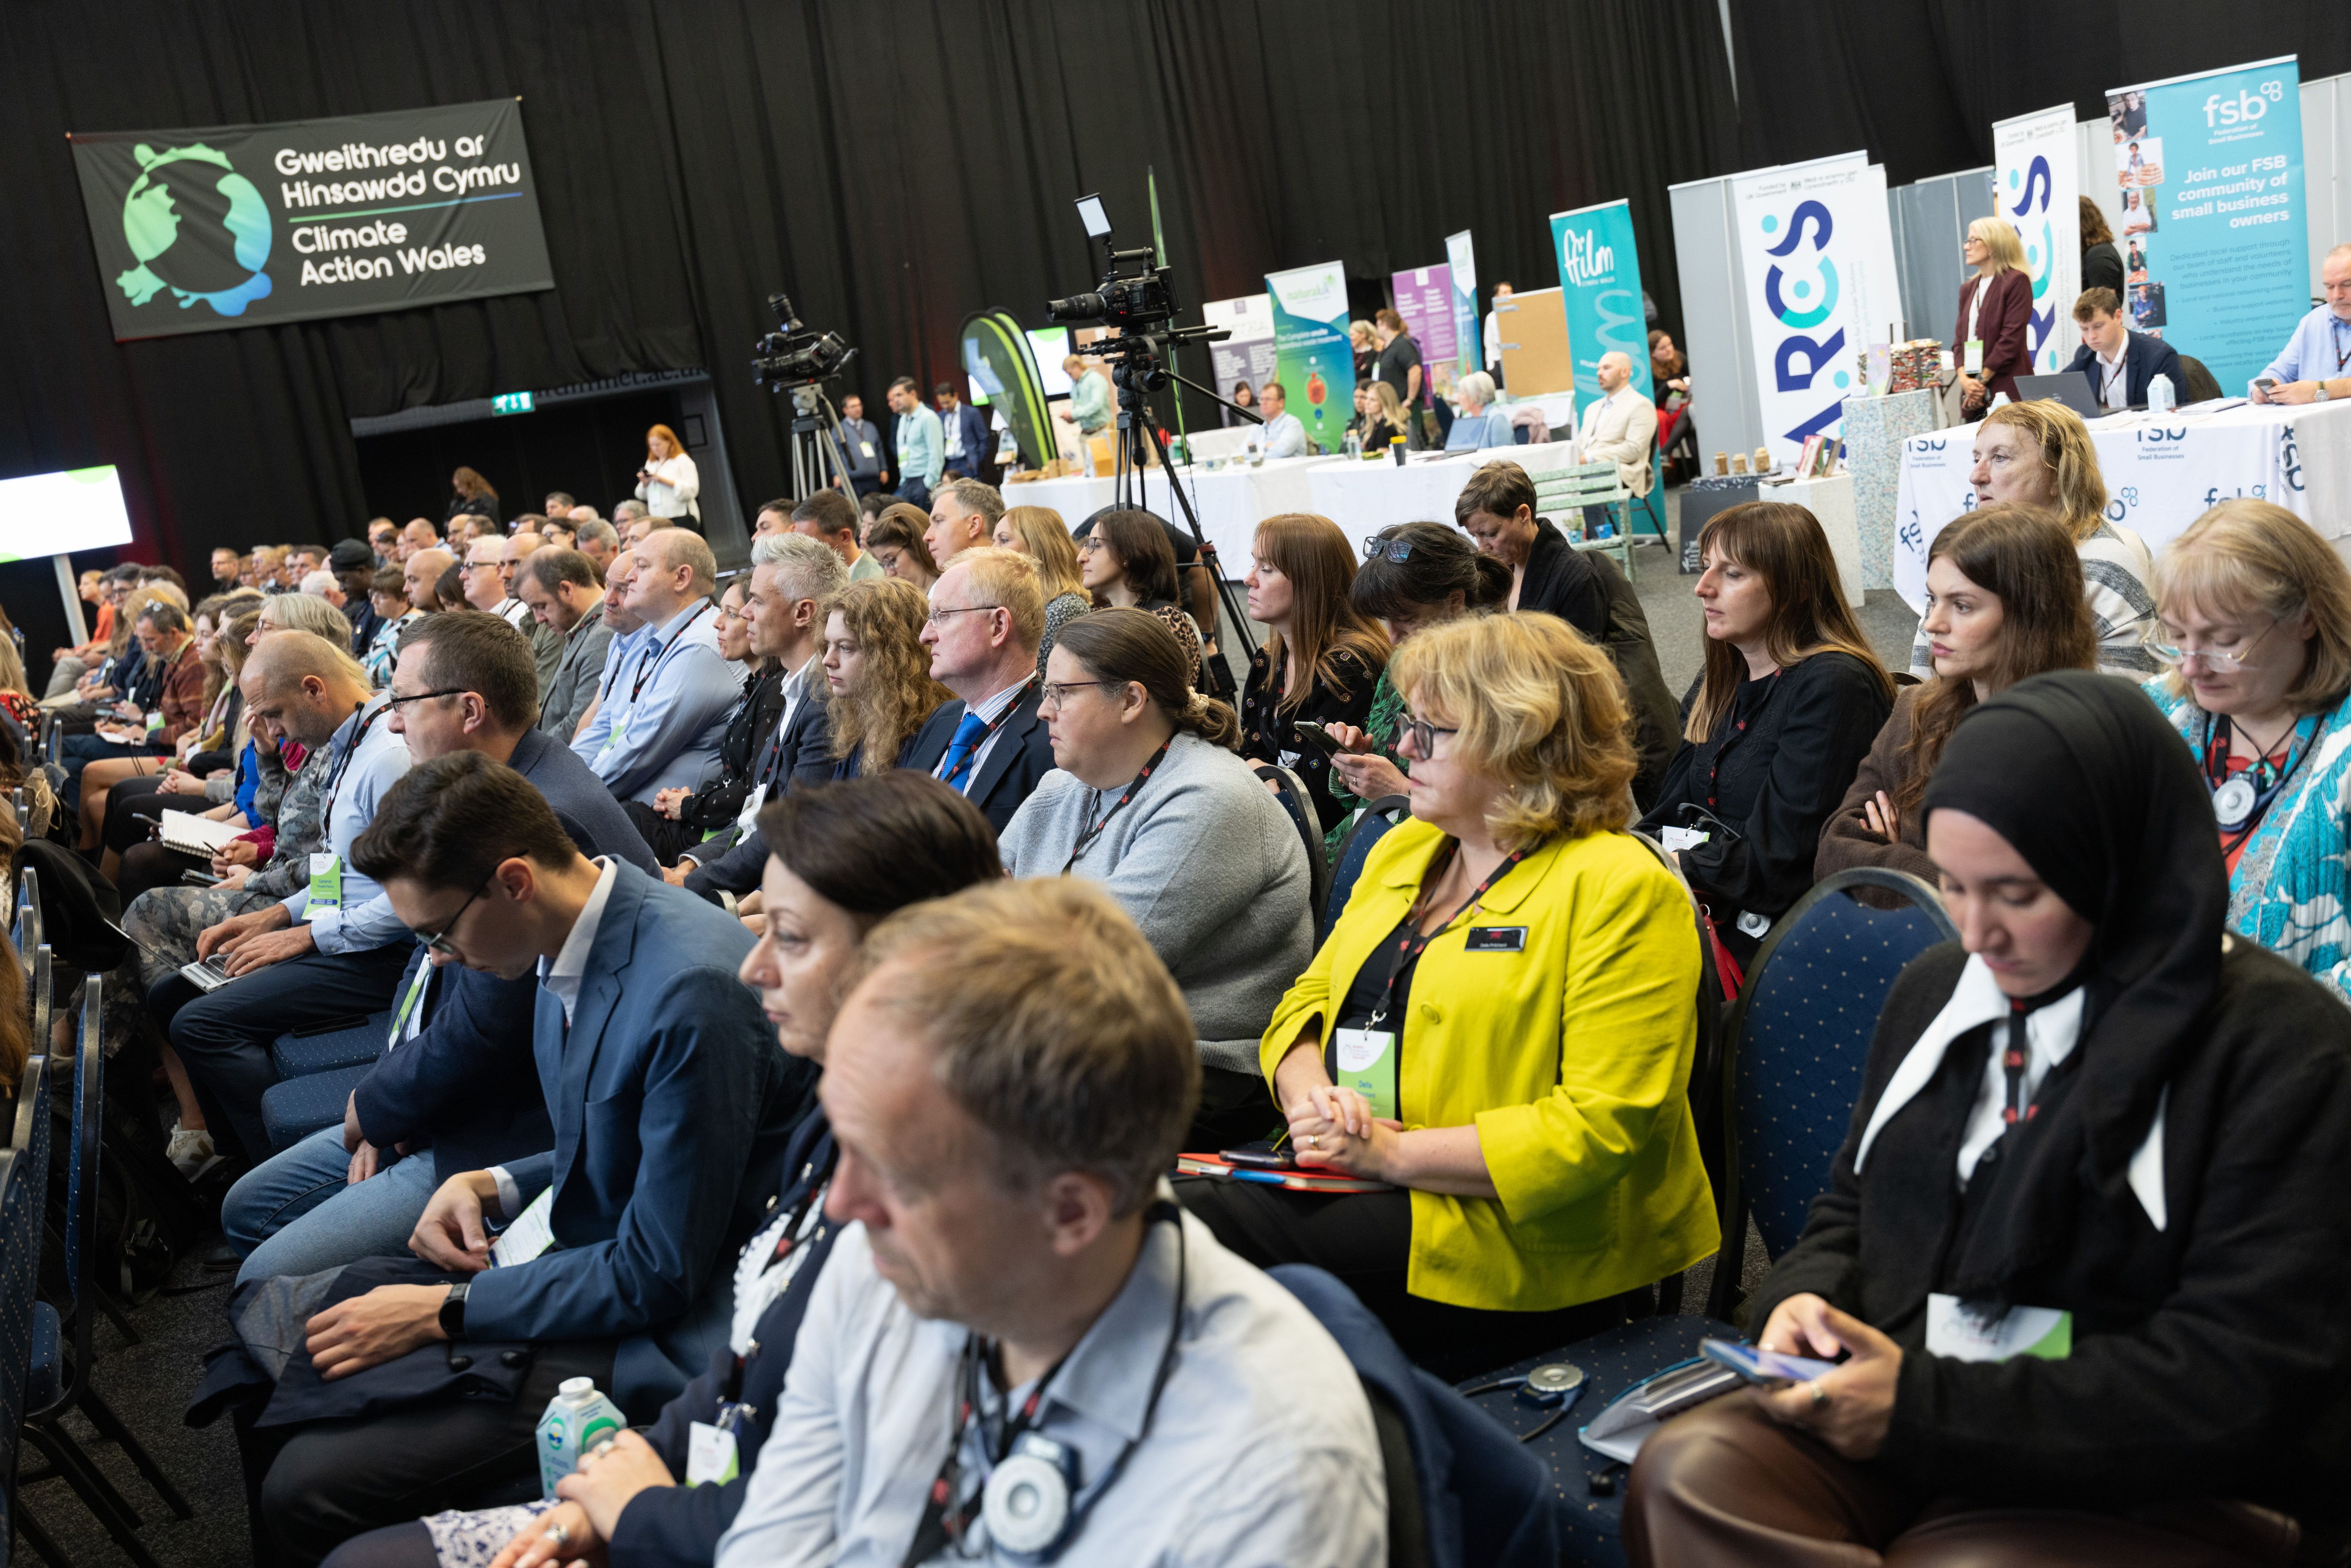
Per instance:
x=2322, y=394
x=453, y=1311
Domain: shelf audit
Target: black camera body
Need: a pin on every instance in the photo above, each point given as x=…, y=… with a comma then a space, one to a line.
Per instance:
x=1134, y=295
x=794, y=354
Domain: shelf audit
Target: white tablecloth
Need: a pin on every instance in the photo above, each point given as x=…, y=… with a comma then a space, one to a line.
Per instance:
x=1364, y=497
x=2162, y=472
x=1231, y=501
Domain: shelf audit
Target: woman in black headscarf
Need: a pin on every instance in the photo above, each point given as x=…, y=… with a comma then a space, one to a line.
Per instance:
x=2098, y=1135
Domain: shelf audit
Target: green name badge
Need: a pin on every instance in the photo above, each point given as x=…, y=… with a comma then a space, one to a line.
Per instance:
x=1366, y=1064
x=325, y=883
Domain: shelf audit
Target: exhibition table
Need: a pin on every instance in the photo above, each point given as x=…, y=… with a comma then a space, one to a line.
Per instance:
x=2161, y=471
x=1231, y=500
x=1364, y=497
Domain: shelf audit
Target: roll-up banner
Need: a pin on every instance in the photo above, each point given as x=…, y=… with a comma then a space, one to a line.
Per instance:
x=1312, y=359
x=1461, y=276
x=1600, y=285
x=244, y=225
x=1818, y=251
x=2036, y=187
x=2216, y=257
x=1424, y=297
x=1248, y=354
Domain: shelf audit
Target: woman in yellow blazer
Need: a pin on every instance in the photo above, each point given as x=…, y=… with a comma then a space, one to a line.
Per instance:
x=1501, y=1025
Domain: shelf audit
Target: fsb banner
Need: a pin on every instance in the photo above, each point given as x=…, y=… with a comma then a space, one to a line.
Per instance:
x=1312, y=359
x=1424, y=297
x=243, y=225
x=1818, y=251
x=1461, y=269
x=2036, y=187
x=1600, y=285
x=2215, y=249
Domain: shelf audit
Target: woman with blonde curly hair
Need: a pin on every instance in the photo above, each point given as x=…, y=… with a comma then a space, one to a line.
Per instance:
x=879, y=672
x=1500, y=1025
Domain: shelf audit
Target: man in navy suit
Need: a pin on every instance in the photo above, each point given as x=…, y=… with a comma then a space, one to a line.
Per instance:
x=2118, y=361
x=671, y=1110
x=988, y=617
x=965, y=429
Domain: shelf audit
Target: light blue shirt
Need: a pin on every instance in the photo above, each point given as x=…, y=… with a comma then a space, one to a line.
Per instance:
x=2320, y=349
x=362, y=918
x=664, y=710
x=1283, y=436
x=922, y=446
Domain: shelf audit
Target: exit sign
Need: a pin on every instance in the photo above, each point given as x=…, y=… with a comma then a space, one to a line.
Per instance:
x=510, y=403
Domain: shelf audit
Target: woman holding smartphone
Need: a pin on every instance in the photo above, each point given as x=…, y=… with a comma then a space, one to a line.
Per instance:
x=1322, y=664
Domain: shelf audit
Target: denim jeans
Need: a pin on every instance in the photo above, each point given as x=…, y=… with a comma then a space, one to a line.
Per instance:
x=297, y=1213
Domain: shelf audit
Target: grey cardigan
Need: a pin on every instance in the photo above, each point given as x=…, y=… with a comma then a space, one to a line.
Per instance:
x=1210, y=867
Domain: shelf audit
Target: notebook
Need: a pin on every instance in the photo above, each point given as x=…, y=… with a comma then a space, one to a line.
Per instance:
x=1295, y=1180
x=195, y=835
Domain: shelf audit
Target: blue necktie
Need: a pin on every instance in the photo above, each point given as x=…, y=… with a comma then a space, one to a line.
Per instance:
x=956, y=763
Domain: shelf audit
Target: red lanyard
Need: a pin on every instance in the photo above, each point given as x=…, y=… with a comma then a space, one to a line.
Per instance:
x=1093, y=830
x=1738, y=733
x=952, y=774
x=1412, y=944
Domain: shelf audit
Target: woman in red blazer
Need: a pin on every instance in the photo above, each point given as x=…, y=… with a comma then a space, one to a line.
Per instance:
x=1995, y=305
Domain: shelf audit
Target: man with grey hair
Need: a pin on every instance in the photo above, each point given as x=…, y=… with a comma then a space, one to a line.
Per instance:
x=792, y=578
x=963, y=516
x=323, y=584
x=600, y=541
x=560, y=587
x=628, y=512
x=662, y=714
x=2315, y=366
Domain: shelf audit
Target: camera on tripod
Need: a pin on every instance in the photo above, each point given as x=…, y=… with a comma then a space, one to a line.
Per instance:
x=1134, y=295
x=795, y=354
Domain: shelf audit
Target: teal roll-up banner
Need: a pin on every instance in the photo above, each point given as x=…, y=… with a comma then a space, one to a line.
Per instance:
x=1599, y=283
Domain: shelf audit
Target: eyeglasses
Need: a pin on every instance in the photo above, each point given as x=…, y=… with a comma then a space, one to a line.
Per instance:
x=437, y=942
x=1054, y=690
x=1423, y=732
x=478, y=565
x=1090, y=544
x=2217, y=662
x=1397, y=550
x=936, y=616
x=420, y=697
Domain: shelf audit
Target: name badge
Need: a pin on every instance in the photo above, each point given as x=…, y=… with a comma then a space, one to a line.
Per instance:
x=1677, y=840
x=1366, y=1059
x=325, y=890
x=532, y=1233
x=1955, y=1335
x=710, y=1455
x=1496, y=939
x=1974, y=361
x=747, y=818
x=866, y=447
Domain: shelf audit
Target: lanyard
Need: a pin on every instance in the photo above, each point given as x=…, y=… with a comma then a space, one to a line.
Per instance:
x=2217, y=732
x=659, y=653
x=819, y=1181
x=2335, y=332
x=343, y=766
x=1412, y=945
x=954, y=775
x=1738, y=733
x=408, y=1002
x=1095, y=830
x=2107, y=382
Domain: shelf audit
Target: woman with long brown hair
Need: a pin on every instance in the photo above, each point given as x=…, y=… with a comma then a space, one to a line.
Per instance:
x=2101, y=265
x=1781, y=716
x=470, y=496
x=879, y=673
x=895, y=539
x=2003, y=602
x=1323, y=661
x=1127, y=562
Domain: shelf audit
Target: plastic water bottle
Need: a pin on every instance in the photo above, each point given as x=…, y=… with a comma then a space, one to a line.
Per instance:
x=2161, y=398
x=577, y=1419
x=1355, y=443
x=2000, y=399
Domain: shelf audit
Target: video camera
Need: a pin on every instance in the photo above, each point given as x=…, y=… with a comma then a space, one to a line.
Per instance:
x=795, y=355
x=1134, y=295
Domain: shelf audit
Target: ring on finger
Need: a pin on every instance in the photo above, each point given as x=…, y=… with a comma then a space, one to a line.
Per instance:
x=1312, y=1141
x=557, y=1535
x=1820, y=1395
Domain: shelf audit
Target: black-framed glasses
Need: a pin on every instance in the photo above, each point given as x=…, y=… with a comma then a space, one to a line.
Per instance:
x=420, y=697
x=1396, y=550
x=1054, y=691
x=1423, y=732
x=437, y=942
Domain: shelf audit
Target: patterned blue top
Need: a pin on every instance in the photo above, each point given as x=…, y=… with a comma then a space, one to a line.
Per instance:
x=2288, y=892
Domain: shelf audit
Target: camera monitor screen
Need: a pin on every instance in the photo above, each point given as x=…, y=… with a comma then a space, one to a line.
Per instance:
x=52, y=514
x=1091, y=214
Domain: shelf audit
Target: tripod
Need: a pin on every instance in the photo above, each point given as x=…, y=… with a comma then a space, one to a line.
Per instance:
x=816, y=445
x=1136, y=372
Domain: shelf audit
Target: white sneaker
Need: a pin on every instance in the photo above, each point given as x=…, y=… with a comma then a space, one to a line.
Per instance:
x=191, y=1153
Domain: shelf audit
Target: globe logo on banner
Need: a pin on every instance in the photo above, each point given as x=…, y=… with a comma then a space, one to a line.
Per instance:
x=1801, y=305
x=198, y=228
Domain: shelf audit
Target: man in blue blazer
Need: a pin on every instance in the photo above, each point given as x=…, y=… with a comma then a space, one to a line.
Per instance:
x=671, y=1110
x=2118, y=361
x=964, y=430
x=988, y=617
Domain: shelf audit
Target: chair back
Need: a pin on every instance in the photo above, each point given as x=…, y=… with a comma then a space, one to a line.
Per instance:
x=81, y=1180
x=2202, y=385
x=1347, y=867
x=29, y=922
x=1291, y=791
x=1801, y=1036
x=23, y=1199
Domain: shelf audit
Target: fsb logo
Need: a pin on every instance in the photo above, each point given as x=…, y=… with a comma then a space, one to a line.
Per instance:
x=2244, y=108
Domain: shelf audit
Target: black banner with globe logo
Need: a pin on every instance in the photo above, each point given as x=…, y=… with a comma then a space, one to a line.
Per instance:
x=243, y=225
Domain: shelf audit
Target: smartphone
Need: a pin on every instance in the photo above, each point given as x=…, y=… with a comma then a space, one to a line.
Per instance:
x=200, y=879
x=1315, y=739
x=2267, y=384
x=1759, y=1365
x=1261, y=1155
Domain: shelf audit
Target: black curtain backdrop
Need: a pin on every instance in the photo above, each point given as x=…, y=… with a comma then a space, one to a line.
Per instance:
x=1919, y=83
x=894, y=167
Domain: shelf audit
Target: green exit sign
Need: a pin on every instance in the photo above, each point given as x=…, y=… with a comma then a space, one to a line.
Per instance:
x=510, y=403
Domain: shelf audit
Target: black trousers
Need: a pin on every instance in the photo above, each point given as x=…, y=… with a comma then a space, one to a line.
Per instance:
x=1366, y=1239
x=1236, y=1108
x=133, y=805
x=224, y=1036
x=336, y=1479
x=666, y=836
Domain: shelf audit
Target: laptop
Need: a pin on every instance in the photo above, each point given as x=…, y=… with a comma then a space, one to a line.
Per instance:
x=2071, y=388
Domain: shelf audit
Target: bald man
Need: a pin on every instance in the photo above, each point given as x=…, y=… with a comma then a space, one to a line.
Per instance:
x=663, y=709
x=420, y=571
x=1620, y=426
x=419, y=534
x=333, y=950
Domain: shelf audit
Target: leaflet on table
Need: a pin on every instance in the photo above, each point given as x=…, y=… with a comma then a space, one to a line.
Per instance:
x=1312, y=359
x=1600, y=287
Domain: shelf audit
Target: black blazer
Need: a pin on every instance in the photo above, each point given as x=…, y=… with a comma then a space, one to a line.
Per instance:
x=2102, y=267
x=2144, y=359
x=679, y=1526
x=975, y=451
x=1266, y=734
x=1022, y=754
x=1560, y=581
x=799, y=755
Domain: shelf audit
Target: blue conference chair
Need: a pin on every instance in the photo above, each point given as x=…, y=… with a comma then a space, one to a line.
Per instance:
x=332, y=1046
x=293, y=1110
x=1347, y=866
